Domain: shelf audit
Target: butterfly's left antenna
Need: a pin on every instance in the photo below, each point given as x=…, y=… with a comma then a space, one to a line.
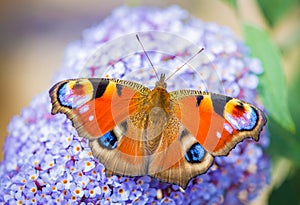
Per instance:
x=140, y=42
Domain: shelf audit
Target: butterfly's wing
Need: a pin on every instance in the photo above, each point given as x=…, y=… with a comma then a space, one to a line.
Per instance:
x=204, y=125
x=122, y=150
x=218, y=122
x=100, y=109
x=178, y=157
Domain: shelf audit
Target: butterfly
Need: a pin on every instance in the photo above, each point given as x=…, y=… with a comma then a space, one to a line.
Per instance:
x=172, y=136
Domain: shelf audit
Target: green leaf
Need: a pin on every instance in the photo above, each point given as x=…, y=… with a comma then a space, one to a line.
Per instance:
x=232, y=3
x=272, y=86
x=274, y=10
x=287, y=145
x=283, y=143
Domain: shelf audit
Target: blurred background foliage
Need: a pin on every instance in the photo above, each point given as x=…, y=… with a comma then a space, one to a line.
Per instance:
x=34, y=35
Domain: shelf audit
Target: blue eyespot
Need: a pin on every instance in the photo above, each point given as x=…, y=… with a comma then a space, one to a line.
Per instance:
x=109, y=140
x=195, y=154
x=63, y=96
x=245, y=122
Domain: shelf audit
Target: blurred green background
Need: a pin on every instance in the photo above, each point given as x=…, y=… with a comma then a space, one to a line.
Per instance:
x=34, y=35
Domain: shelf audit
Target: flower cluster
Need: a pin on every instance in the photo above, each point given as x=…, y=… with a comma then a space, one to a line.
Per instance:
x=46, y=162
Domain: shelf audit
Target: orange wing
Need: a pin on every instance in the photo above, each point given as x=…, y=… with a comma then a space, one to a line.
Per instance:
x=178, y=157
x=100, y=110
x=218, y=122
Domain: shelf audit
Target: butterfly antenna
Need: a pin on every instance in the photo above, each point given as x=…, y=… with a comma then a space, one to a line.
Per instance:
x=140, y=42
x=186, y=62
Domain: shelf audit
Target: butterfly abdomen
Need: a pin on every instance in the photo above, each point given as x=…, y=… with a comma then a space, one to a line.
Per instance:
x=157, y=111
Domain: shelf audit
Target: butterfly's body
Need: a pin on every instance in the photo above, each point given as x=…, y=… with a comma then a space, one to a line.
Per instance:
x=172, y=136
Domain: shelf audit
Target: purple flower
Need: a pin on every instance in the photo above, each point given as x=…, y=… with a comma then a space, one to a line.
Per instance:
x=46, y=161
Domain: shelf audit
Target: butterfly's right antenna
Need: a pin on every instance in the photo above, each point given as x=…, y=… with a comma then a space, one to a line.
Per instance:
x=186, y=62
x=138, y=38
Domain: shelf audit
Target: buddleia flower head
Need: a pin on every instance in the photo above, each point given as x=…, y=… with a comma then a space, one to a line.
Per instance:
x=45, y=161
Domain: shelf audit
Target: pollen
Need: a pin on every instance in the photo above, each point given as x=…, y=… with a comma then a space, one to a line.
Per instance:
x=77, y=191
x=121, y=191
x=104, y=188
x=33, y=189
x=199, y=180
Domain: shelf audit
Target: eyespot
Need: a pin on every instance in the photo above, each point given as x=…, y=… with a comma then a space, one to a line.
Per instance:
x=109, y=140
x=195, y=154
x=74, y=94
x=242, y=117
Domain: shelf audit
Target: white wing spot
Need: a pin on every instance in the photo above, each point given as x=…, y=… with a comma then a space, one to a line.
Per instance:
x=84, y=109
x=218, y=134
x=91, y=117
x=228, y=128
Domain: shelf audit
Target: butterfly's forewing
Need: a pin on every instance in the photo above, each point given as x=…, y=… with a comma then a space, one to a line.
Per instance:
x=218, y=122
x=96, y=105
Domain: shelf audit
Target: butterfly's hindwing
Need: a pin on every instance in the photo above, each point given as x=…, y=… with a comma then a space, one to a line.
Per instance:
x=127, y=156
x=179, y=157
